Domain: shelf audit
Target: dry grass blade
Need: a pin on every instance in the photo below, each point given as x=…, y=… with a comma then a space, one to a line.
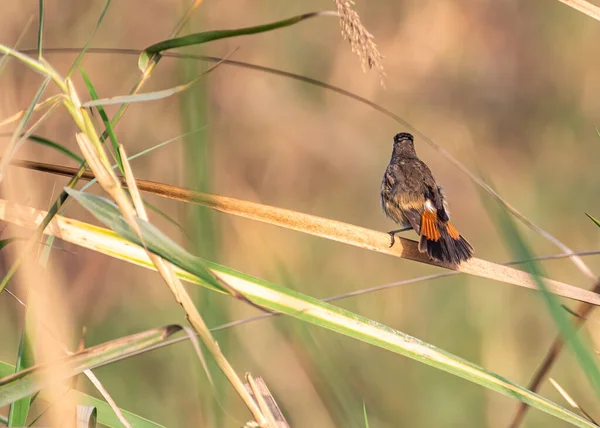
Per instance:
x=585, y=7
x=182, y=297
x=570, y=400
x=33, y=379
x=344, y=233
x=156, y=95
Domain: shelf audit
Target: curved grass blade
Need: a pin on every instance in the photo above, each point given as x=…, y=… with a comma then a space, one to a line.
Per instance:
x=105, y=120
x=568, y=331
x=26, y=382
x=62, y=149
x=151, y=96
x=208, y=36
x=292, y=303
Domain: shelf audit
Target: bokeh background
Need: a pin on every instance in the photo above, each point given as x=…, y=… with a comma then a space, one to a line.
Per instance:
x=509, y=88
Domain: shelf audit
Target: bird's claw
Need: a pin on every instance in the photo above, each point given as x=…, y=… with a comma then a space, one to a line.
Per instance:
x=393, y=238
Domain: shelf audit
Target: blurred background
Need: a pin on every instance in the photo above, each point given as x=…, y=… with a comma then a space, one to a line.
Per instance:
x=507, y=87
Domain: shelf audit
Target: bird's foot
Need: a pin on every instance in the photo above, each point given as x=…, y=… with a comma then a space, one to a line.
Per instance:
x=393, y=238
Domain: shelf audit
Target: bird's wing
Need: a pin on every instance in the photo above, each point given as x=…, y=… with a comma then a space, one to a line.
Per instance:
x=433, y=192
x=411, y=205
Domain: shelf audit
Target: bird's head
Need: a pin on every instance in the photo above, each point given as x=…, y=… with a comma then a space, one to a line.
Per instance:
x=404, y=143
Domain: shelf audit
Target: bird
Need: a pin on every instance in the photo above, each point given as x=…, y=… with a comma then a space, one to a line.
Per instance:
x=411, y=197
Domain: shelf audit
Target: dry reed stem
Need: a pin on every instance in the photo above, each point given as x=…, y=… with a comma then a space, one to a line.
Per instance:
x=347, y=234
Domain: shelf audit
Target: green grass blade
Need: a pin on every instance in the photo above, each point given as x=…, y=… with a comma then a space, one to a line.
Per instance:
x=593, y=219
x=310, y=310
x=26, y=382
x=107, y=125
x=365, y=415
x=62, y=149
x=27, y=60
x=79, y=58
x=208, y=36
x=40, y=35
x=5, y=242
x=109, y=213
x=581, y=349
x=19, y=410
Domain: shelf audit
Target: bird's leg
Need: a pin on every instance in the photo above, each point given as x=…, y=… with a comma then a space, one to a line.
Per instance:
x=392, y=234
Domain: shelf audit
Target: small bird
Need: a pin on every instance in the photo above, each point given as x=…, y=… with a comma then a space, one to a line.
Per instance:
x=411, y=197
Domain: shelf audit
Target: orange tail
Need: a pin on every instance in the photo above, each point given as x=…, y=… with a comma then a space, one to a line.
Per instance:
x=441, y=241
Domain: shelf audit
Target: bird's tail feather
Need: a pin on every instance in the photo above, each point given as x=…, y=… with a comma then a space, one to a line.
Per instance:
x=441, y=241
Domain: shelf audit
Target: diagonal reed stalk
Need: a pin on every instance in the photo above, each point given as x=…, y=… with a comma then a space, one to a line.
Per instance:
x=336, y=231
